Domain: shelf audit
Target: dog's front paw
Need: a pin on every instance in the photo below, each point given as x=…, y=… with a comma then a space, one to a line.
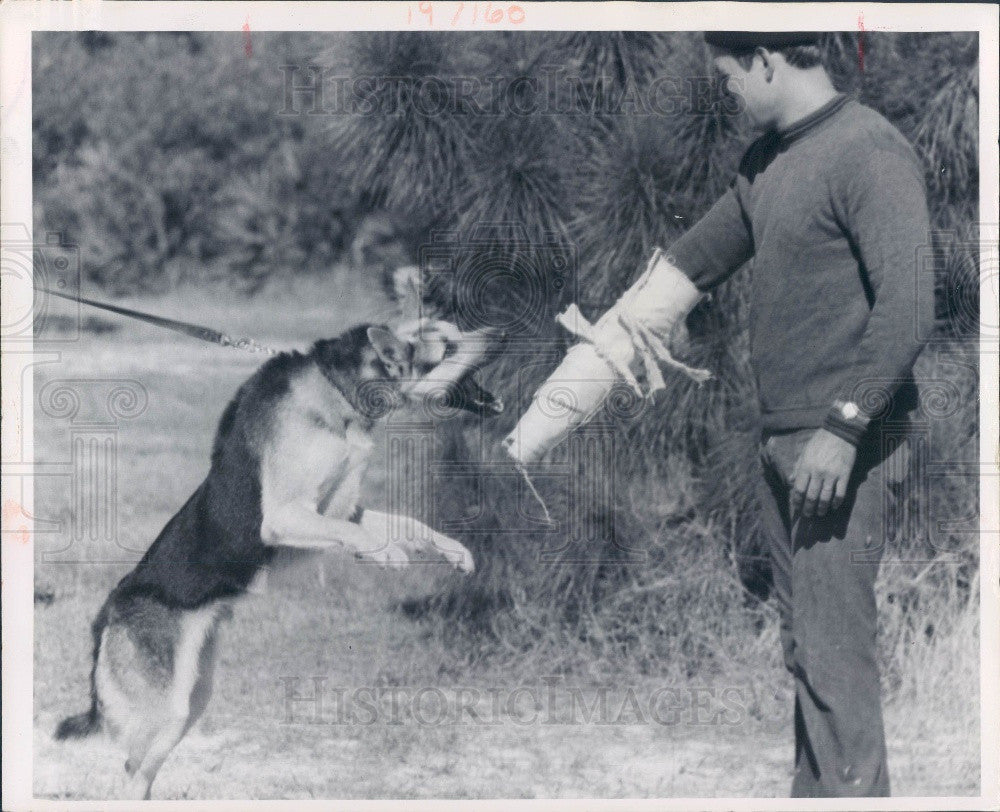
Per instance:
x=454, y=553
x=465, y=563
x=391, y=556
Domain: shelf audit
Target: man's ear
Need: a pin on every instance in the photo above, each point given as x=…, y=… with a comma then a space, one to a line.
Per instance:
x=768, y=60
x=390, y=350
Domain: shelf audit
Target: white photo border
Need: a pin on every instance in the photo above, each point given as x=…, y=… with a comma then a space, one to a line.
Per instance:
x=19, y=19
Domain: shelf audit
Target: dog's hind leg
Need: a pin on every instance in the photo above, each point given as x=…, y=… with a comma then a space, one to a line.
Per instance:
x=130, y=689
x=163, y=742
x=202, y=691
x=186, y=699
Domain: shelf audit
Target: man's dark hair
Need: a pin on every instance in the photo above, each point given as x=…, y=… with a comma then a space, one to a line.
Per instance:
x=803, y=56
x=798, y=56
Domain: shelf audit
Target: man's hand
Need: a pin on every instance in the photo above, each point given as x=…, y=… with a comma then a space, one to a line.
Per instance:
x=819, y=481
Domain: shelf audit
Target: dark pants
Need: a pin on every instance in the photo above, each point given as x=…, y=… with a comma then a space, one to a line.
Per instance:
x=824, y=580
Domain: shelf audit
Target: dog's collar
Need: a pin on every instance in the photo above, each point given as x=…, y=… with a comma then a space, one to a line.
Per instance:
x=350, y=395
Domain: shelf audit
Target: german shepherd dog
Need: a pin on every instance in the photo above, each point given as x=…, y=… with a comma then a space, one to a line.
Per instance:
x=287, y=463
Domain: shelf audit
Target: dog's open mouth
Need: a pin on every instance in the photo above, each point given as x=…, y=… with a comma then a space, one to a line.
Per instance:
x=441, y=397
x=451, y=383
x=467, y=394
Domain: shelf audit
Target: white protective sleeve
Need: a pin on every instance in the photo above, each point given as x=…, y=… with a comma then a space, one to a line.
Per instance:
x=637, y=328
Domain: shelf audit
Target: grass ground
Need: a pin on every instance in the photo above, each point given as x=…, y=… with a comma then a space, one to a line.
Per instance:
x=332, y=625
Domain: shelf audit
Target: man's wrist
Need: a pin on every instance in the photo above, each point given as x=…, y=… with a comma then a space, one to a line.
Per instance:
x=846, y=420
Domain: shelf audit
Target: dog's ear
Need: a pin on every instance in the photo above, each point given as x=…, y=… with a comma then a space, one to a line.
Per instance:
x=391, y=351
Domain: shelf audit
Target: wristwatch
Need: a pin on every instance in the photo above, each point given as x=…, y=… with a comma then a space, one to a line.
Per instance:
x=846, y=420
x=848, y=410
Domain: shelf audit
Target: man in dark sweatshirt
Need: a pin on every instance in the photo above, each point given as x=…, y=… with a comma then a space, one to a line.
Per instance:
x=830, y=205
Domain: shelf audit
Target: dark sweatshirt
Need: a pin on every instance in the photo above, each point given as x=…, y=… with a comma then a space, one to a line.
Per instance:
x=833, y=211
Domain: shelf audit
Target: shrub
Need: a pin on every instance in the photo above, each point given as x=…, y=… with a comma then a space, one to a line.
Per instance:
x=166, y=157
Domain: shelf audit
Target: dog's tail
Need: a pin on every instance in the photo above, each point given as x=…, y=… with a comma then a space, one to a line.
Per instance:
x=88, y=722
x=80, y=725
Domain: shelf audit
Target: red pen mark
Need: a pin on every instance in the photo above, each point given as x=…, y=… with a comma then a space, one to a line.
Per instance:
x=13, y=510
x=492, y=15
x=247, y=42
x=861, y=41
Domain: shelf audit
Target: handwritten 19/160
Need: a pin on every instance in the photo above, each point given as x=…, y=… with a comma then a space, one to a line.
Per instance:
x=466, y=13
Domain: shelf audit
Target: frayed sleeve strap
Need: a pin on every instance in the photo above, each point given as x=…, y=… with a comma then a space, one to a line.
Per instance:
x=646, y=345
x=637, y=327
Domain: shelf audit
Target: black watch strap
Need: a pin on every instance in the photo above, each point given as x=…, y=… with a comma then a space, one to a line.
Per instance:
x=847, y=422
